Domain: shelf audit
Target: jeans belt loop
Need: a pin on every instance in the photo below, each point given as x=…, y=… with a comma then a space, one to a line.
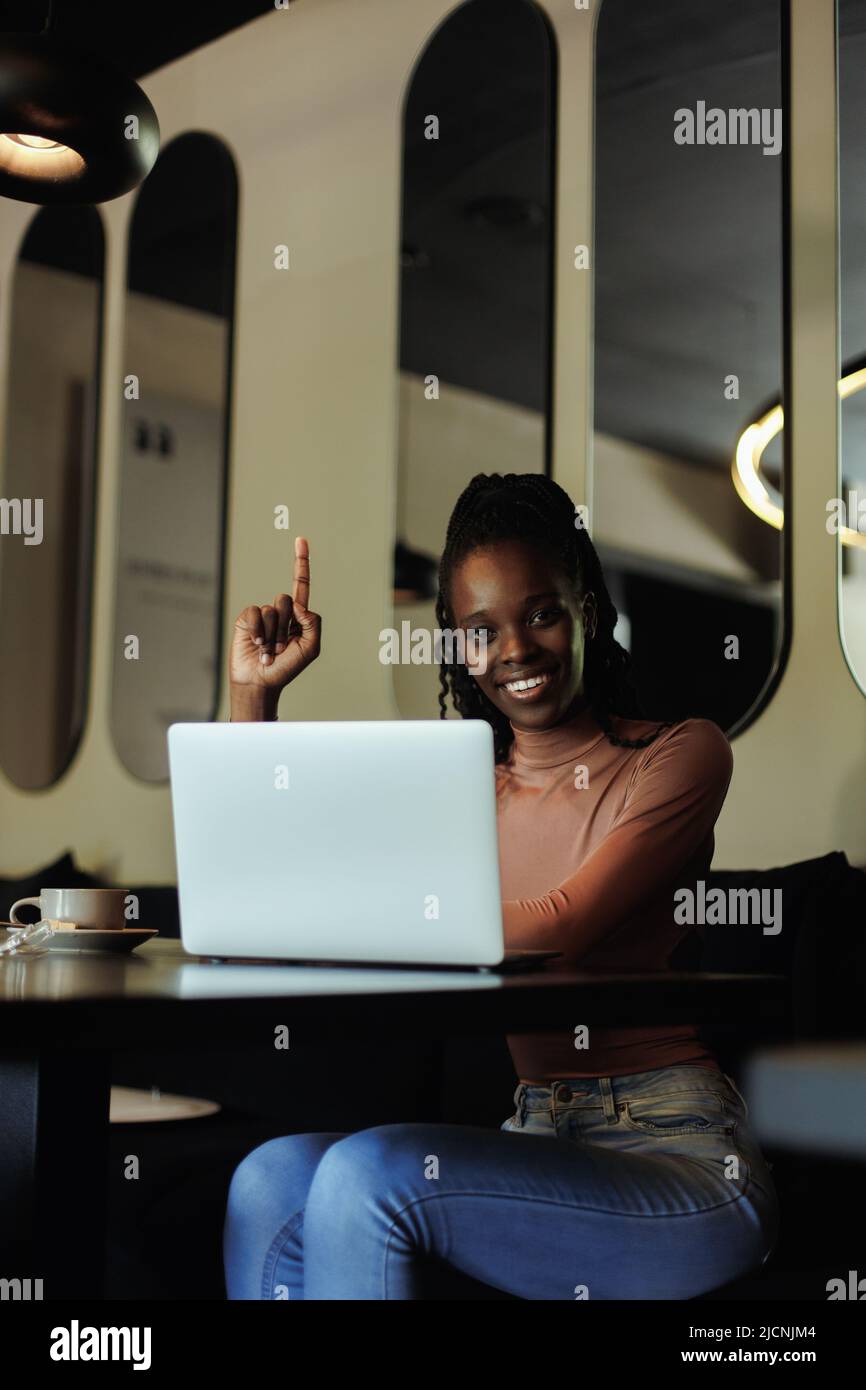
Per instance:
x=608, y=1100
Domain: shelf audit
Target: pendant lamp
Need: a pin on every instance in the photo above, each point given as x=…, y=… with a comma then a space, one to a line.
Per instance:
x=73, y=129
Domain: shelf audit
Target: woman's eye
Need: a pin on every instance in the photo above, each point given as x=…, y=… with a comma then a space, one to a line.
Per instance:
x=546, y=615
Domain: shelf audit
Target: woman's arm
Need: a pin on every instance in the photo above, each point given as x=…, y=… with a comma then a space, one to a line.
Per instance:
x=253, y=706
x=272, y=645
x=670, y=811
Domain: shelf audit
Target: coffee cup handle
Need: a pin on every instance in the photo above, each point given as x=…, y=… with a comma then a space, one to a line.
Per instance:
x=24, y=902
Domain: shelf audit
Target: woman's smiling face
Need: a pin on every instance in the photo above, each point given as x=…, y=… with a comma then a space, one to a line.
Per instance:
x=534, y=626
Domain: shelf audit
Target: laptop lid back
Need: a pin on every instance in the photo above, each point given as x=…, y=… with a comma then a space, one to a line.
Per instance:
x=351, y=841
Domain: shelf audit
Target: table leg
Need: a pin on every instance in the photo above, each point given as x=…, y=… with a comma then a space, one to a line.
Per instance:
x=53, y=1170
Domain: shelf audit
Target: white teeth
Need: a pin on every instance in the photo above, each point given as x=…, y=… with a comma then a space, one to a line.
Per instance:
x=527, y=685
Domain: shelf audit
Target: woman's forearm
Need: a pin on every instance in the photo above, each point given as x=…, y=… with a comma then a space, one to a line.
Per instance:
x=252, y=704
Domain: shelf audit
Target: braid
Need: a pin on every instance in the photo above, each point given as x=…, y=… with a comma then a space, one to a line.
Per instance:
x=532, y=507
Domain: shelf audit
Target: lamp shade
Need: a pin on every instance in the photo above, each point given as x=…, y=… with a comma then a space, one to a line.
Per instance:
x=73, y=129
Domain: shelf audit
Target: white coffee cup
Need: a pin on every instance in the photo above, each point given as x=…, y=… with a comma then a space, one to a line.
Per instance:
x=101, y=908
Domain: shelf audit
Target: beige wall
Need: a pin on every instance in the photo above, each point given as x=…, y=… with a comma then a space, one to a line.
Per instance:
x=316, y=137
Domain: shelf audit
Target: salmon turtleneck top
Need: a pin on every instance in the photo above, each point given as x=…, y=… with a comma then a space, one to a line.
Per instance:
x=617, y=831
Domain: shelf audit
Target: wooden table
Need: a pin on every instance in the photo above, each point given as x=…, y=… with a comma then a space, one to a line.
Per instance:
x=62, y=1015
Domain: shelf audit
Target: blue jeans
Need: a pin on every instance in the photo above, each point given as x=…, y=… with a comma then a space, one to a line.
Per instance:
x=653, y=1187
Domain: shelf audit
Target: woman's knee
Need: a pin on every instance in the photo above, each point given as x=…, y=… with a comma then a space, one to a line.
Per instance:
x=274, y=1178
x=382, y=1163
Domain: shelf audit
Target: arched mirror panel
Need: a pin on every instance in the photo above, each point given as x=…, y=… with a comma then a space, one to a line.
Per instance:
x=48, y=492
x=475, y=290
x=689, y=486
x=177, y=366
x=846, y=513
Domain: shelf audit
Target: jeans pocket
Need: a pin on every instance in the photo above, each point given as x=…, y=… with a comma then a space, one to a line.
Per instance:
x=701, y=1113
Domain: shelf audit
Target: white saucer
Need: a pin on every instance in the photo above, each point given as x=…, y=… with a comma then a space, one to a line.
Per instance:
x=116, y=939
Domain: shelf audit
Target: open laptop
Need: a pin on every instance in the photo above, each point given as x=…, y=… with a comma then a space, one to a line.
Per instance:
x=363, y=843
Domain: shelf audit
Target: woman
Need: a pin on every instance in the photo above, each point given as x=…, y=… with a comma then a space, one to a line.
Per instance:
x=654, y=1187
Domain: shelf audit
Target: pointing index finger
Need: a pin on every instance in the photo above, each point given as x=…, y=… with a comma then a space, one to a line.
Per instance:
x=301, y=587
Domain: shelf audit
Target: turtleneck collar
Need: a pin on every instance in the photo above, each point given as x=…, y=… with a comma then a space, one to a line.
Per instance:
x=557, y=746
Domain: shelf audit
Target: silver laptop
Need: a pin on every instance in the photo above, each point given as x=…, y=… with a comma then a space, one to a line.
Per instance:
x=369, y=842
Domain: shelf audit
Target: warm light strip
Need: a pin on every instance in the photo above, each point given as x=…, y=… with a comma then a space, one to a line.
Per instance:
x=34, y=157
x=754, y=490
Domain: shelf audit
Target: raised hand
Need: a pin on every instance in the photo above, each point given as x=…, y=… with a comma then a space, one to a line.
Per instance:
x=272, y=644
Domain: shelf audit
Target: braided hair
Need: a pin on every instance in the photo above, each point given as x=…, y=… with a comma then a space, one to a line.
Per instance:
x=533, y=508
